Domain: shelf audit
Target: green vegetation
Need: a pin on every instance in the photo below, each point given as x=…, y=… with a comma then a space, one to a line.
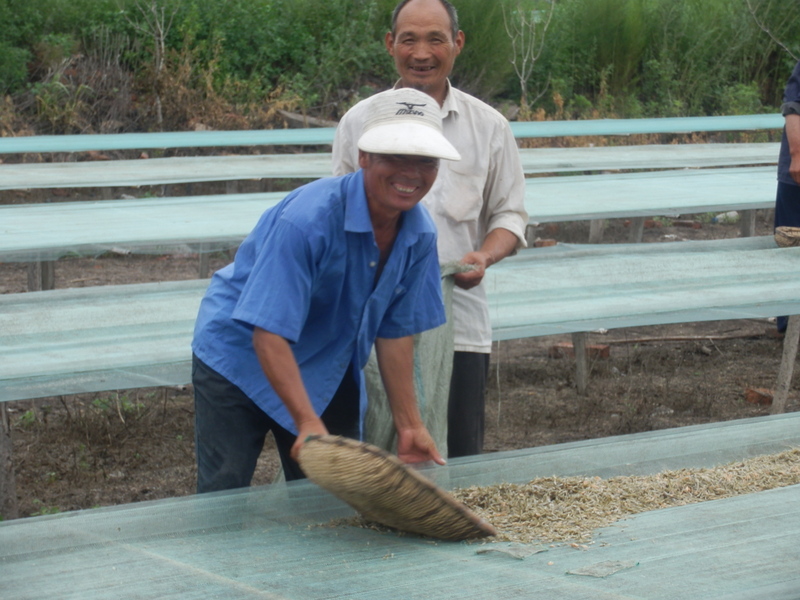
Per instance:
x=43, y=509
x=72, y=66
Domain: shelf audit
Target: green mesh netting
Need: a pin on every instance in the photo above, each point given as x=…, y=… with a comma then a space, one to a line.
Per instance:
x=433, y=364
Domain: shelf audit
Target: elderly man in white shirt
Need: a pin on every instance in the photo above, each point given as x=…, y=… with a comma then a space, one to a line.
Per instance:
x=476, y=203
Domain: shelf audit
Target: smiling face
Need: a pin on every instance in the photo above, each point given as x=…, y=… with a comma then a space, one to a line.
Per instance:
x=395, y=183
x=423, y=47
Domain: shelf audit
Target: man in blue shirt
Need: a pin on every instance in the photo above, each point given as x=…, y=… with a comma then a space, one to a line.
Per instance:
x=339, y=265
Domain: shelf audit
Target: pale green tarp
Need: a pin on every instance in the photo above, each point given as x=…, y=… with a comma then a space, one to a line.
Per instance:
x=324, y=135
x=277, y=542
x=433, y=364
x=219, y=221
x=183, y=169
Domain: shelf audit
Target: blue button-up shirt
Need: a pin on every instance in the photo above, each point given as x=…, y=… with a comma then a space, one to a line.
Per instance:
x=307, y=272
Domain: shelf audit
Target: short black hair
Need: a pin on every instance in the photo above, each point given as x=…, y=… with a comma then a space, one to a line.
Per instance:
x=451, y=12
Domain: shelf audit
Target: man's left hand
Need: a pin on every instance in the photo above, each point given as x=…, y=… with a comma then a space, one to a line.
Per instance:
x=417, y=446
x=481, y=261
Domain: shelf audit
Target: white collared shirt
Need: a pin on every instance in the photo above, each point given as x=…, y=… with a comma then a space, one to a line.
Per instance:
x=471, y=197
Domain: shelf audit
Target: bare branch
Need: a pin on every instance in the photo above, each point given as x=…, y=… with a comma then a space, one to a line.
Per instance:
x=753, y=8
x=526, y=29
x=157, y=24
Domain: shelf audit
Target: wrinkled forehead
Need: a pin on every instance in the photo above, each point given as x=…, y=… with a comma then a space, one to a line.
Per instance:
x=427, y=14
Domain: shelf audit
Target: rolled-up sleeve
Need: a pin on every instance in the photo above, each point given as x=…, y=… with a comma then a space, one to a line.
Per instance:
x=791, y=94
x=505, y=187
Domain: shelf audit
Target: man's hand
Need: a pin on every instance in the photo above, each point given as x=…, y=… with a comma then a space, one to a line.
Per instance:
x=793, y=137
x=396, y=364
x=481, y=261
x=417, y=446
x=312, y=427
x=794, y=168
x=498, y=244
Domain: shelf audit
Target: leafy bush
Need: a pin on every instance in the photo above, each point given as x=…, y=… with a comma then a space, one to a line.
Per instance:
x=484, y=66
x=23, y=22
x=231, y=63
x=13, y=68
x=668, y=57
x=741, y=99
x=347, y=52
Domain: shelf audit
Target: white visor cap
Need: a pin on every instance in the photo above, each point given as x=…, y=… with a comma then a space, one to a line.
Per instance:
x=405, y=121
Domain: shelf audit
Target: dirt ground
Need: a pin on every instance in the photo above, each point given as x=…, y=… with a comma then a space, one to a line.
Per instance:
x=89, y=450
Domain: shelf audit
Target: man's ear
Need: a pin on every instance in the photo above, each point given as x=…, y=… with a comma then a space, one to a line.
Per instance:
x=459, y=41
x=389, y=41
x=363, y=159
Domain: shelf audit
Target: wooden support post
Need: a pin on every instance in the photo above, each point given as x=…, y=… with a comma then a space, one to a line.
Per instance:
x=596, y=228
x=747, y=223
x=579, y=339
x=9, y=508
x=786, y=371
x=204, y=262
x=41, y=275
x=637, y=230
x=530, y=235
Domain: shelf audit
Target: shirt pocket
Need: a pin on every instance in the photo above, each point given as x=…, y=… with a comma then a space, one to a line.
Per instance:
x=461, y=191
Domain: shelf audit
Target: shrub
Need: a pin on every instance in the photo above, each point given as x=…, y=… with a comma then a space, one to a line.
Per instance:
x=740, y=99
x=233, y=62
x=13, y=68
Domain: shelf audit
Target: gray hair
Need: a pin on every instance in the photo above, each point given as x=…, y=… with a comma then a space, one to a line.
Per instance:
x=451, y=12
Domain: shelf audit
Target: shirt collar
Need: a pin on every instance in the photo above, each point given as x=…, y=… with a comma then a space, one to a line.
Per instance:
x=356, y=219
x=450, y=102
x=356, y=213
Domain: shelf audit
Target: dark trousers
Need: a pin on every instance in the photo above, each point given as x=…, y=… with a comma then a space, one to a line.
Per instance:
x=787, y=212
x=787, y=205
x=466, y=410
x=230, y=429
